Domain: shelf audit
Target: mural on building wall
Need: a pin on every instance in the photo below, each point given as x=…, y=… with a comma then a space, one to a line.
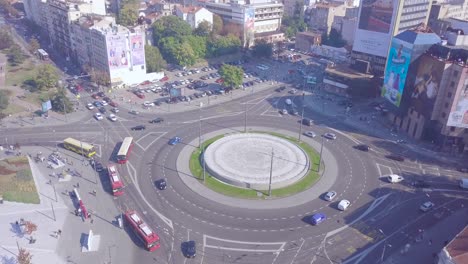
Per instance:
x=426, y=85
x=117, y=51
x=376, y=15
x=137, y=48
x=396, y=71
x=249, y=26
x=458, y=116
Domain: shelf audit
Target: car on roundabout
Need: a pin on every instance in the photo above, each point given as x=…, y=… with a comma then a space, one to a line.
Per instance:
x=310, y=134
x=157, y=120
x=363, y=147
x=317, y=218
x=161, y=184
x=343, y=205
x=174, y=141
x=139, y=127
x=329, y=196
x=426, y=206
x=393, y=178
x=395, y=157
x=329, y=136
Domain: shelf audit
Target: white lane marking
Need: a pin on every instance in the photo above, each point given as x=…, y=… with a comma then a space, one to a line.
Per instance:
x=213, y=117
x=280, y=245
x=137, y=187
x=346, y=135
x=152, y=142
x=257, y=100
x=299, y=249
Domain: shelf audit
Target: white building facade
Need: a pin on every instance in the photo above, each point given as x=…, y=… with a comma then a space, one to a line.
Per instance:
x=194, y=15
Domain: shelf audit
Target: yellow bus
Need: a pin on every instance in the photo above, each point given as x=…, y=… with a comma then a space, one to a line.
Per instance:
x=79, y=147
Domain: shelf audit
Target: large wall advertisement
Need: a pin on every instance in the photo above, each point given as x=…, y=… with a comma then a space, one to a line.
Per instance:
x=249, y=26
x=396, y=70
x=117, y=52
x=458, y=116
x=375, y=26
x=138, y=50
x=426, y=85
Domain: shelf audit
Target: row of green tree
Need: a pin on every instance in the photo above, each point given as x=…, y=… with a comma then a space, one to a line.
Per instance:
x=176, y=42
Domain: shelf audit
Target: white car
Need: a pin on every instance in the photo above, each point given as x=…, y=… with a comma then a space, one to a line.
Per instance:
x=115, y=110
x=343, y=205
x=148, y=104
x=393, y=178
x=310, y=134
x=329, y=136
x=426, y=206
x=330, y=195
x=103, y=102
x=90, y=106
x=293, y=91
x=284, y=112
x=98, y=116
x=112, y=117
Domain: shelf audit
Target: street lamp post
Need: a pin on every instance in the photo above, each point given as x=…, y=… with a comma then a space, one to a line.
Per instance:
x=302, y=117
x=204, y=164
x=385, y=246
x=271, y=171
x=320, y=159
x=245, y=118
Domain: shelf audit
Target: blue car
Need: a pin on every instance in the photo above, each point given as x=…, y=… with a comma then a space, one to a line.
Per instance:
x=175, y=140
x=317, y=218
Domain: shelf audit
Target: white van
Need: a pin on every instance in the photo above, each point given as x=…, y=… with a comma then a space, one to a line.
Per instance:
x=464, y=183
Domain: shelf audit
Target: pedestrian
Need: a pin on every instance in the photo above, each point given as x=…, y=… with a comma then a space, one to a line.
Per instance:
x=430, y=242
x=94, y=192
x=78, y=185
x=92, y=220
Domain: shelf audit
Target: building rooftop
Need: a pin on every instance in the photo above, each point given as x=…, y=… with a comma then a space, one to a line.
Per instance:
x=327, y=5
x=345, y=71
x=189, y=9
x=418, y=37
x=458, y=247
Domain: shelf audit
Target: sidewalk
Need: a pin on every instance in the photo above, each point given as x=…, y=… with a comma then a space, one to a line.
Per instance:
x=433, y=242
x=54, y=214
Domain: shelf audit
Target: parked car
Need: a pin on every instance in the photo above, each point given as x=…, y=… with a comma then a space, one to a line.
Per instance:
x=329, y=136
x=102, y=110
x=112, y=117
x=113, y=104
x=139, y=127
x=284, y=111
x=134, y=112
x=189, y=249
x=115, y=110
x=426, y=206
x=98, y=116
x=90, y=106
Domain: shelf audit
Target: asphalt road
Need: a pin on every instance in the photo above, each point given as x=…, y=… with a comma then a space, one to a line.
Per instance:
x=238, y=235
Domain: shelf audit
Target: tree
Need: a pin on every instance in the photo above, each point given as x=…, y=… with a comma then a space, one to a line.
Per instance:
x=5, y=39
x=46, y=77
x=170, y=26
x=262, y=49
x=232, y=75
x=184, y=55
x=222, y=45
x=34, y=45
x=233, y=29
x=154, y=60
x=127, y=16
x=168, y=46
x=61, y=103
x=16, y=55
x=198, y=45
x=203, y=29
x=218, y=24
x=333, y=39
x=4, y=99
x=24, y=256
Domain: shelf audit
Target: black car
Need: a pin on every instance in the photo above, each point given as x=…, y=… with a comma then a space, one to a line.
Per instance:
x=96, y=165
x=189, y=249
x=140, y=127
x=395, y=157
x=363, y=147
x=101, y=94
x=421, y=184
x=161, y=184
x=157, y=120
x=102, y=110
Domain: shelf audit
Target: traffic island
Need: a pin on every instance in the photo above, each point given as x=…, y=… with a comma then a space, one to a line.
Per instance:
x=242, y=165
x=16, y=181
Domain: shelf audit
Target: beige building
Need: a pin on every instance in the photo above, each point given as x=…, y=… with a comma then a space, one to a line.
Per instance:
x=305, y=40
x=322, y=15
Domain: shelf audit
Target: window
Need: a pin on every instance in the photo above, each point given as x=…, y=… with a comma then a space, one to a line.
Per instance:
x=452, y=129
x=452, y=84
x=446, y=105
x=449, y=95
x=455, y=73
x=443, y=115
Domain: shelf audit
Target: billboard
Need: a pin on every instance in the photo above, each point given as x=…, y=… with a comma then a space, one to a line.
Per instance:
x=458, y=116
x=137, y=48
x=375, y=26
x=117, y=51
x=426, y=85
x=249, y=26
x=396, y=70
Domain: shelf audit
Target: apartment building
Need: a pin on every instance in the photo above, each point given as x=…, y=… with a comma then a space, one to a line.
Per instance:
x=322, y=15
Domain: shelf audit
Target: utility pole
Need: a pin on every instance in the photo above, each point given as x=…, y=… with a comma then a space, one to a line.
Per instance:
x=199, y=129
x=320, y=159
x=302, y=117
x=204, y=164
x=271, y=171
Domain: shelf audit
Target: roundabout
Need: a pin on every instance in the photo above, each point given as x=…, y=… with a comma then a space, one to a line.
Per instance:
x=256, y=161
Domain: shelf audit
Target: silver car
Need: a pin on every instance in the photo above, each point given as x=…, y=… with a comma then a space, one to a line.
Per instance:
x=329, y=136
x=310, y=134
x=330, y=195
